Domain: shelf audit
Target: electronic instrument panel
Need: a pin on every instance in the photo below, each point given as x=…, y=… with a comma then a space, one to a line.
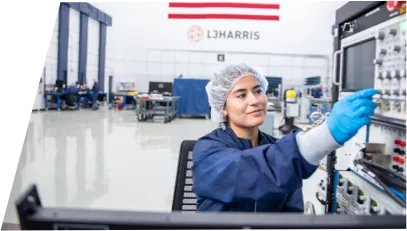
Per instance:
x=376, y=58
x=371, y=53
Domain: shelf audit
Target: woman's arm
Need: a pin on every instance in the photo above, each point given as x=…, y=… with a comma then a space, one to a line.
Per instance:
x=231, y=175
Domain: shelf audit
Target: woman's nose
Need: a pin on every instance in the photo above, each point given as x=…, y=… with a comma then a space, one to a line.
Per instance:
x=253, y=99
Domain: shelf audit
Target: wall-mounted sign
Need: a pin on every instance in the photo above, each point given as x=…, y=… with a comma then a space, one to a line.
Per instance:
x=197, y=33
x=221, y=58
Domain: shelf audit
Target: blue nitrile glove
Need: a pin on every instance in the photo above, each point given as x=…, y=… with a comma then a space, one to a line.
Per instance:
x=350, y=114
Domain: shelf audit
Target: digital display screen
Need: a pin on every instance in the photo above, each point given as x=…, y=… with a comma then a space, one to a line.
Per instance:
x=359, y=70
x=403, y=25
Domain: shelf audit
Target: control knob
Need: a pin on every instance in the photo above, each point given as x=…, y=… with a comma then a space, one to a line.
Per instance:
x=392, y=31
x=385, y=74
x=395, y=74
x=396, y=48
x=379, y=75
x=383, y=51
x=378, y=61
x=380, y=35
x=403, y=73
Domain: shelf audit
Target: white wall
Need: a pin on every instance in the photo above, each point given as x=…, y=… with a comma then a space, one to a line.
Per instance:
x=141, y=31
x=73, y=45
x=51, y=61
x=48, y=63
x=93, y=51
x=304, y=28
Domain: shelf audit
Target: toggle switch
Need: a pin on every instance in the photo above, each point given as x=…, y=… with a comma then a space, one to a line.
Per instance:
x=361, y=198
x=350, y=190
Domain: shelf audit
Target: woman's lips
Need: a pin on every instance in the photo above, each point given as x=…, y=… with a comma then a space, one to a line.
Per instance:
x=255, y=112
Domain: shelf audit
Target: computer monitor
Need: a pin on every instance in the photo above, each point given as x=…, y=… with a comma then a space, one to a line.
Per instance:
x=160, y=87
x=33, y=216
x=59, y=83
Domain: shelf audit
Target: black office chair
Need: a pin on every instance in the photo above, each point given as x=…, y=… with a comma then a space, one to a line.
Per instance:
x=184, y=199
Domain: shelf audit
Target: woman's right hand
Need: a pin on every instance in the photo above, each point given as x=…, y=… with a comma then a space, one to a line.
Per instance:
x=350, y=114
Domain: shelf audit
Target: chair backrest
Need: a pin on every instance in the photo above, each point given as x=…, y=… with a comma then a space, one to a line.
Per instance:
x=184, y=199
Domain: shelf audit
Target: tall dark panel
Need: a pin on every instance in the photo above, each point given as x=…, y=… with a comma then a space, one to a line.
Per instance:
x=83, y=47
x=63, y=38
x=102, y=56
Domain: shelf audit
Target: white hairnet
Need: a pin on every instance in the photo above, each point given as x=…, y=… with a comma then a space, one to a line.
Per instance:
x=219, y=87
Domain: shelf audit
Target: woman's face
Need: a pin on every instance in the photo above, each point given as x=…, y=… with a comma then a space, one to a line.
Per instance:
x=246, y=104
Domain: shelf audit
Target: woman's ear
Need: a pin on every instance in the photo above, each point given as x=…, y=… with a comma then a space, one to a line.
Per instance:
x=225, y=113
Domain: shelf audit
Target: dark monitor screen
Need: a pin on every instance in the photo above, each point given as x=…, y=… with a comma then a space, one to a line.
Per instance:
x=359, y=69
x=59, y=83
x=160, y=87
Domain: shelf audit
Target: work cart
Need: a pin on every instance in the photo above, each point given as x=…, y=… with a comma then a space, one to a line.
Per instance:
x=152, y=107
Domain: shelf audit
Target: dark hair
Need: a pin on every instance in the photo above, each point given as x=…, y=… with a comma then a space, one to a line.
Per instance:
x=225, y=123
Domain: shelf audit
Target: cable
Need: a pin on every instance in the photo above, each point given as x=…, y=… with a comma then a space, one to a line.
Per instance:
x=368, y=171
x=387, y=174
x=402, y=177
x=389, y=177
x=374, y=176
x=390, y=181
x=393, y=183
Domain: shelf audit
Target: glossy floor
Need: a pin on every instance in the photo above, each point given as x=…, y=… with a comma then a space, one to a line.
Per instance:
x=106, y=160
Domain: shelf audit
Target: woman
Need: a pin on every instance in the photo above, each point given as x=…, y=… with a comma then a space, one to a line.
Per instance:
x=239, y=168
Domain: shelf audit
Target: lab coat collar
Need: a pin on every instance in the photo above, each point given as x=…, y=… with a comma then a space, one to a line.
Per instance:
x=244, y=143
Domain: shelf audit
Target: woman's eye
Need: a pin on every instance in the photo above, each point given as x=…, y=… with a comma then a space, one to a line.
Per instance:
x=259, y=91
x=241, y=96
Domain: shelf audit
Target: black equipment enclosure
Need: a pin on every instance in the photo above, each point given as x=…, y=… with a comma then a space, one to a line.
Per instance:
x=160, y=87
x=357, y=68
x=33, y=216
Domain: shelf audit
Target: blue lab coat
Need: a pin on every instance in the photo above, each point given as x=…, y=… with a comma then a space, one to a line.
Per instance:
x=317, y=93
x=93, y=95
x=95, y=88
x=71, y=90
x=230, y=175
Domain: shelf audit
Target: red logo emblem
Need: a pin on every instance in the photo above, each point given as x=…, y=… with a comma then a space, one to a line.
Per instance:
x=195, y=33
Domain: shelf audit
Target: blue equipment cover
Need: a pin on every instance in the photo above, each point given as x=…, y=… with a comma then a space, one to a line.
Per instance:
x=194, y=100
